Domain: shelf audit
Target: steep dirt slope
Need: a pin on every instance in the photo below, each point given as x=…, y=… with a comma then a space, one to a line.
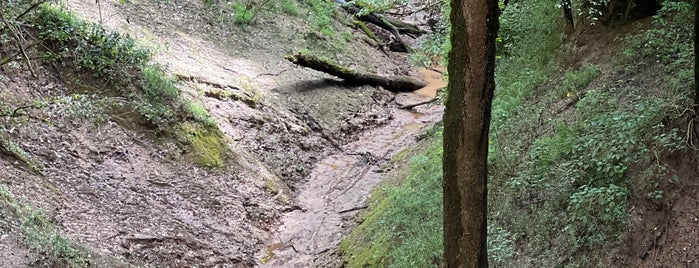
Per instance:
x=129, y=193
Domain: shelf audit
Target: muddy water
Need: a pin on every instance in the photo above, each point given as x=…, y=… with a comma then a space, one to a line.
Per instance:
x=340, y=185
x=434, y=82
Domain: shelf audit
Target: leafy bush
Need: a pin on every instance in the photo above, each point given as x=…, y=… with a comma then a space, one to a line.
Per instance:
x=530, y=34
x=596, y=214
x=670, y=40
x=321, y=15
x=109, y=56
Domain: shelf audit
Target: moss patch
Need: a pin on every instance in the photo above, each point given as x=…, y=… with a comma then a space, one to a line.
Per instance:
x=271, y=185
x=205, y=143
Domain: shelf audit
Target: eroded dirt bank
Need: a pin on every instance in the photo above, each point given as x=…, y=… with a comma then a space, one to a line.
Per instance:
x=132, y=195
x=338, y=188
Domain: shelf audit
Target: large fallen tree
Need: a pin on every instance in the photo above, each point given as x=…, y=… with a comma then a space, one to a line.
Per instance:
x=394, y=26
x=393, y=84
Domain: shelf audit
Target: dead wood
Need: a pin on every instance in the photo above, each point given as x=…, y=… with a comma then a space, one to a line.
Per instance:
x=393, y=84
x=394, y=26
x=410, y=106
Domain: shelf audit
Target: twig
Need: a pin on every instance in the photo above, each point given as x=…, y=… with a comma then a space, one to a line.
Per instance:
x=352, y=209
x=17, y=37
x=99, y=9
x=34, y=6
x=273, y=74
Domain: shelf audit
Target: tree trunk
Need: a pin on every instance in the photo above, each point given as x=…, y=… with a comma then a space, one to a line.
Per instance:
x=467, y=121
x=696, y=59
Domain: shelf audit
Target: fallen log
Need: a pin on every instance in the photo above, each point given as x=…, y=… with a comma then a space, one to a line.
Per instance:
x=394, y=26
x=393, y=84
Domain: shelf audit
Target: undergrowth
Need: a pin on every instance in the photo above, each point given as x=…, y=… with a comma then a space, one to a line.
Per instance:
x=124, y=69
x=47, y=246
x=560, y=179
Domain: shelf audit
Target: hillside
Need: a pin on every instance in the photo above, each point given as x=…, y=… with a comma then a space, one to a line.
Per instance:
x=174, y=134
x=177, y=136
x=592, y=158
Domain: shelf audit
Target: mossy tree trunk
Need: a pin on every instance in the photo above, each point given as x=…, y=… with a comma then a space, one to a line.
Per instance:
x=467, y=120
x=696, y=59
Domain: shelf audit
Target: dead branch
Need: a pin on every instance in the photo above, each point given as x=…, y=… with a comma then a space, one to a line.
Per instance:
x=410, y=106
x=394, y=26
x=20, y=42
x=352, y=209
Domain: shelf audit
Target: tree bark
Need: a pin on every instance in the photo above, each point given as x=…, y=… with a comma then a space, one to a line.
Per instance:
x=394, y=84
x=696, y=59
x=467, y=121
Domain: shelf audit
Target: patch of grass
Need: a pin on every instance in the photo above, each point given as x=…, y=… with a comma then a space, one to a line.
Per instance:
x=243, y=12
x=48, y=247
x=290, y=7
x=403, y=227
x=530, y=34
x=574, y=81
x=321, y=14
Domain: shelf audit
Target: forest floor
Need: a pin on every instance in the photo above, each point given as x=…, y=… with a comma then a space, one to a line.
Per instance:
x=306, y=149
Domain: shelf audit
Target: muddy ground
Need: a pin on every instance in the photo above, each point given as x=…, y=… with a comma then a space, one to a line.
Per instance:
x=127, y=193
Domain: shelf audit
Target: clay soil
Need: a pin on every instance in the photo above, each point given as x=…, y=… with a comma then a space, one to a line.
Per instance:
x=308, y=149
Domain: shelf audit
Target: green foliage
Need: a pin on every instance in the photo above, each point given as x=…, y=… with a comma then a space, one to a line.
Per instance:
x=593, y=10
x=321, y=14
x=109, y=56
x=501, y=246
x=434, y=47
x=159, y=94
x=243, y=13
x=530, y=33
x=610, y=214
x=670, y=40
x=403, y=228
x=48, y=247
x=290, y=7
x=574, y=81
x=124, y=69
